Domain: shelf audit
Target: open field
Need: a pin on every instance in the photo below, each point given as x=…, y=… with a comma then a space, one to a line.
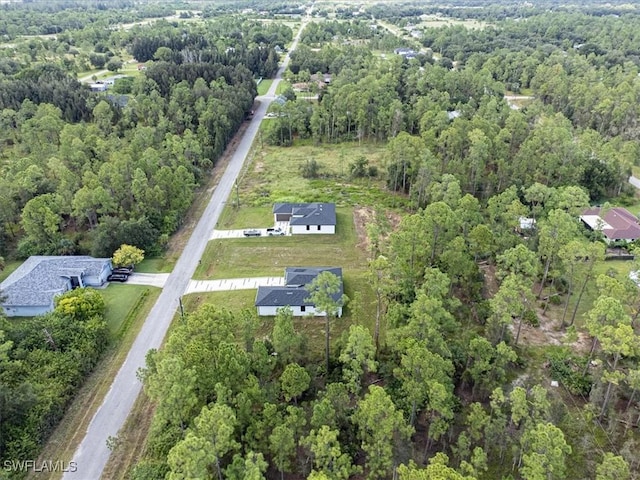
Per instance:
x=274, y=175
x=264, y=85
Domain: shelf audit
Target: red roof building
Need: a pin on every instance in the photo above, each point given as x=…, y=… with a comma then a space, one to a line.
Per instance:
x=616, y=224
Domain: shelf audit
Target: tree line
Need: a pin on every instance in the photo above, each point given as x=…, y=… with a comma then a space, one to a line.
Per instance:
x=440, y=388
x=43, y=361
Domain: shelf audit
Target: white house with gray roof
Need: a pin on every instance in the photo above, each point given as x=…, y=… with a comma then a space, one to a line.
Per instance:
x=30, y=290
x=294, y=294
x=307, y=218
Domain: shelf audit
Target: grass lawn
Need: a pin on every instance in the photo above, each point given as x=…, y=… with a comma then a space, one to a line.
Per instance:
x=123, y=302
x=266, y=256
x=245, y=217
x=361, y=309
x=617, y=268
x=9, y=267
x=274, y=175
x=155, y=265
x=264, y=86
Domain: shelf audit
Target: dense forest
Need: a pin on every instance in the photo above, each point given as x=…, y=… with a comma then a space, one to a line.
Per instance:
x=450, y=392
x=38, y=379
x=99, y=172
x=447, y=384
x=83, y=173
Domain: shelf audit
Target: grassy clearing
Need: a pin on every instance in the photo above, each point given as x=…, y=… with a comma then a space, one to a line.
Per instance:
x=617, y=268
x=275, y=175
x=68, y=434
x=262, y=256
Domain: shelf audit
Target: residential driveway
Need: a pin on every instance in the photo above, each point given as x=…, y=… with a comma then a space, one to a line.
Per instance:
x=198, y=286
x=218, y=234
x=152, y=279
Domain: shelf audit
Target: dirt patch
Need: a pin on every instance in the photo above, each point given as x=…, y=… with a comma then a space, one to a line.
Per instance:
x=491, y=285
x=550, y=333
x=363, y=216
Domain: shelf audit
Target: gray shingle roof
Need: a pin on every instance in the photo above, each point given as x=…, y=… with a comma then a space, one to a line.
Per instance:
x=294, y=294
x=40, y=278
x=308, y=213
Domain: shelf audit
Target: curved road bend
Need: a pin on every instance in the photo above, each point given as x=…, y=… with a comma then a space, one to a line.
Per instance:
x=92, y=453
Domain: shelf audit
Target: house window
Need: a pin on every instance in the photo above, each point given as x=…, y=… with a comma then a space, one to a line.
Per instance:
x=303, y=308
x=319, y=227
x=308, y=227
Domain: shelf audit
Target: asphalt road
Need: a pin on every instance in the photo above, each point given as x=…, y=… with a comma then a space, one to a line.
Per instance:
x=92, y=454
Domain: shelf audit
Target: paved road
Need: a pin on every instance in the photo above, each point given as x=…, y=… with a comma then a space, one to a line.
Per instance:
x=92, y=453
x=634, y=181
x=228, y=284
x=89, y=78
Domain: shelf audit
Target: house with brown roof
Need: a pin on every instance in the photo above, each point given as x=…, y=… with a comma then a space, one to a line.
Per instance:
x=615, y=224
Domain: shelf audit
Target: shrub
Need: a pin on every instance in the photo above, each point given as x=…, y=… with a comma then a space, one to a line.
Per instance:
x=566, y=368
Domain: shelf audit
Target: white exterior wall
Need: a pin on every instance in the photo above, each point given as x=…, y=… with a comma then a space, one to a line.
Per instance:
x=302, y=229
x=270, y=311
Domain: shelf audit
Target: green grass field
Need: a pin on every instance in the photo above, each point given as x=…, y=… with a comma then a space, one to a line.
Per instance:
x=155, y=265
x=123, y=303
x=268, y=256
x=274, y=175
x=9, y=267
x=264, y=85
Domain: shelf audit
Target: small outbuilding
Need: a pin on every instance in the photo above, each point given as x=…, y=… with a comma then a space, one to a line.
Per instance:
x=294, y=294
x=30, y=290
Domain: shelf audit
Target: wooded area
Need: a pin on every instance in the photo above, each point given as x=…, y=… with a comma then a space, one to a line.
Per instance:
x=475, y=315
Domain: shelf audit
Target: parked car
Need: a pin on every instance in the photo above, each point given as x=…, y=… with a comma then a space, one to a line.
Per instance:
x=252, y=233
x=118, y=277
x=123, y=270
x=275, y=231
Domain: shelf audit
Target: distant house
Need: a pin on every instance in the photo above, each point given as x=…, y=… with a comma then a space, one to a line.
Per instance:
x=32, y=287
x=293, y=294
x=98, y=87
x=615, y=224
x=307, y=218
x=405, y=52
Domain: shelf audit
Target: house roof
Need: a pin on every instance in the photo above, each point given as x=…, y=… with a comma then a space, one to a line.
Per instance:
x=616, y=223
x=308, y=213
x=40, y=278
x=294, y=294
